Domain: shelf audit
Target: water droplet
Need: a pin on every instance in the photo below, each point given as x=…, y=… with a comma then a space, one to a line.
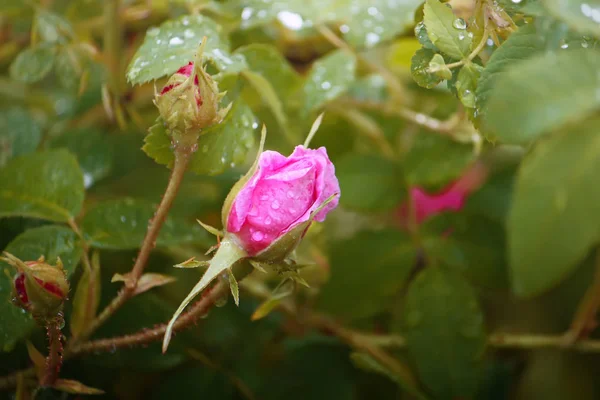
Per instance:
x=292, y=211
x=257, y=236
x=516, y=1
x=264, y=197
x=275, y=205
x=371, y=39
x=247, y=13
x=372, y=11
x=459, y=23
x=221, y=301
x=254, y=125
x=461, y=36
x=188, y=33
x=205, y=315
x=290, y=20
x=175, y=41
x=268, y=221
x=564, y=46
x=326, y=85
x=291, y=194
x=222, y=160
x=123, y=218
x=344, y=28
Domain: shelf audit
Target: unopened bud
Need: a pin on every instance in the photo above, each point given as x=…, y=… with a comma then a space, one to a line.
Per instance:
x=190, y=101
x=39, y=288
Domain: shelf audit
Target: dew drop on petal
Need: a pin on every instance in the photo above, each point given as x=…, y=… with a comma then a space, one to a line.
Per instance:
x=268, y=221
x=257, y=236
x=275, y=205
x=290, y=194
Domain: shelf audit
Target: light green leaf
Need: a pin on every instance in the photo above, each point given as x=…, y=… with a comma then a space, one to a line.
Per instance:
x=19, y=133
x=173, y=44
x=363, y=23
x=542, y=93
x=419, y=69
x=328, y=78
x=369, y=183
x=46, y=185
x=267, y=61
x=579, y=15
x=434, y=160
x=53, y=27
x=524, y=43
x=122, y=224
x=70, y=66
x=220, y=148
x=49, y=241
x=366, y=272
x=446, y=31
x=266, y=91
x=93, y=151
x=33, y=64
x=552, y=223
x=466, y=84
x=444, y=332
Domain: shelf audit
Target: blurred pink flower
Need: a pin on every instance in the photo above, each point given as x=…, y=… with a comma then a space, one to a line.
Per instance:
x=282, y=194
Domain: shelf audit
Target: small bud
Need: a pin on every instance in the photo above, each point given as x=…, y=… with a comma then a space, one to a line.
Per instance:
x=39, y=288
x=190, y=101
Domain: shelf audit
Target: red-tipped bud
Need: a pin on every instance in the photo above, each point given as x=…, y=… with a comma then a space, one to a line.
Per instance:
x=190, y=101
x=39, y=288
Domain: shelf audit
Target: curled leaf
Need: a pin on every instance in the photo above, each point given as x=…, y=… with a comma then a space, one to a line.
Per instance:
x=192, y=263
x=285, y=288
x=146, y=282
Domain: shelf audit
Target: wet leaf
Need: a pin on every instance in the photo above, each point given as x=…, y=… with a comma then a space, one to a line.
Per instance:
x=447, y=32
x=466, y=84
x=19, y=133
x=561, y=173
x=173, y=44
x=419, y=69
x=220, y=148
x=579, y=15
x=49, y=241
x=46, y=185
x=369, y=183
x=366, y=272
x=328, y=78
x=53, y=27
x=122, y=224
x=535, y=106
x=443, y=326
x=33, y=64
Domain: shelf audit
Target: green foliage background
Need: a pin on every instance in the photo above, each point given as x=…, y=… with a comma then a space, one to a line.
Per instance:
x=467, y=305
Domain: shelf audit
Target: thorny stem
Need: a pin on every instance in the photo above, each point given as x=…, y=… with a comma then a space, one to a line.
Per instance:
x=182, y=158
x=198, y=309
x=55, y=357
x=585, y=319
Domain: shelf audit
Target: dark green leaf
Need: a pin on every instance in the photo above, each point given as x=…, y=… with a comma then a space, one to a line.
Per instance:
x=91, y=149
x=446, y=32
x=423, y=37
x=328, y=78
x=173, y=44
x=524, y=43
x=366, y=272
x=444, y=332
x=542, y=93
x=419, y=69
x=551, y=225
x=19, y=133
x=369, y=183
x=33, y=64
x=434, y=160
x=48, y=241
x=220, y=148
x=46, y=185
x=122, y=224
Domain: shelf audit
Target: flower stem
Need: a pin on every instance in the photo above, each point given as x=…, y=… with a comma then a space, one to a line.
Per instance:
x=182, y=158
x=55, y=357
x=201, y=307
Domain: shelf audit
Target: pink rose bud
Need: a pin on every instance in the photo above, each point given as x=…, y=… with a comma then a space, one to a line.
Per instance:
x=39, y=288
x=281, y=195
x=190, y=101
